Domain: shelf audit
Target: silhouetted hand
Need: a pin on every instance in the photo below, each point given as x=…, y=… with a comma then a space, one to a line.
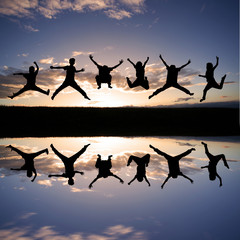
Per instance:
x=193, y=149
x=189, y=61
x=91, y=56
x=82, y=70
x=160, y=56
x=51, y=67
x=90, y=186
x=82, y=173
x=220, y=185
x=9, y=146
x=191, y=181
x=121, y=61
x=88, y=145
x=162, y=186
x=35, y=63
x=121, y=181
x=128, y=59
x=217, y=57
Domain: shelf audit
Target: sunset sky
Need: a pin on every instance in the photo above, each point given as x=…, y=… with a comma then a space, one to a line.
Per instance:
x=52, y=31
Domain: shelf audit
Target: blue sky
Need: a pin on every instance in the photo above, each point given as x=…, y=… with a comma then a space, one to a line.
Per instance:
x=52, y=31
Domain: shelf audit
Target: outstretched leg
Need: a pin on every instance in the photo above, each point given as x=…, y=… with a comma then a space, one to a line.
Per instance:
x=132, y=84
x=39, y=153
x=24, y=89
x=208, y=87
x=38, y=89
x=64, y=85
x=178, y=157
x=166, y=86
x=183, y=89
x=209, y=155
x=76, y=87
x=145, y=84
x=79, y=153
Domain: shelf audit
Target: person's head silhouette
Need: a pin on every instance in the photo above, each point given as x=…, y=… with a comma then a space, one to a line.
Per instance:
x=31, y=69
x=70, y=181
x=172, y=67
x=29, y=173
x=209, y=65
x=140, y=178
x=72, y=61
x=139, y=64
x=212, y=176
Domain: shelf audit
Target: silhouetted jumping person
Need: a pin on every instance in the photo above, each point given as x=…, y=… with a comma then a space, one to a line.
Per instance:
x=172, y=77
x=140, y=74
x=142, y=163
x=69, y=164
x=104, y=75
x=29, y=161
x=104, y=169
x=211, y=82
x=173, y=164
x=70, y=79
x=31, y=82
x=212, y=166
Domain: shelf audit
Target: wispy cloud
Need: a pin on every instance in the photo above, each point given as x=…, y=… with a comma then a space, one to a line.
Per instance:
x=47, y=60
x=50, y=8
x=30, y=28
x=184, y=99
x=78, y=53
x=22, y=55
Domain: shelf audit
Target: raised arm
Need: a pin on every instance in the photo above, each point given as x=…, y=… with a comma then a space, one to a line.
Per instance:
x=35, y=175
x=220, y=179
x=163, y=61
x=145, y=62
x=132, y=180
x=157, y=150
x=36, y=67
x=147, y=181
x=131, y=62
x=189, y=61
x=121, y=181
x=187, y=177
x=204, y=76
x=91, y=57
x=90, y=185
x=120, y=62
x=165, y=180
x=216, y=63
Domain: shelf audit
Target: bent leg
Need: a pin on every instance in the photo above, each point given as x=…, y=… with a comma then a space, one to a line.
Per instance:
x=220, y=86
x=145, y=84
x=205, y=90
x=98, y=80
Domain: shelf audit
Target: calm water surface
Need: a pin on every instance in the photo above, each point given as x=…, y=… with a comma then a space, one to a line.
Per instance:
x=46, y=199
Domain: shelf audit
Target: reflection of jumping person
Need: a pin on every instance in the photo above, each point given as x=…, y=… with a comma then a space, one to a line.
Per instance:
x=104, y=75
x=69, y=80
x=69, y=164
x=172, y=76
x=211, y=82
x=31, y=82
x=29, y=161
x=142, y=163
x=212, y=166
x=104, y=169
x=173, y=164
x=140, y=74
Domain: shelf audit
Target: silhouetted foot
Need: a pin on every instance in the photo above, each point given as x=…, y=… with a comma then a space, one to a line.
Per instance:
x=109, y=86
x=99, y=87
x=48, y=91
x=191, y=94
x=87, y=97
x=150, y=96
x=203, y=143
x=10, y=97
x=52, y=97
x=223, y=78
x=202, y=99
x=47, y=151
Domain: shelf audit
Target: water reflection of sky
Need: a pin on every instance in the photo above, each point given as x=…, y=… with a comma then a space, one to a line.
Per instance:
x=49, y=208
